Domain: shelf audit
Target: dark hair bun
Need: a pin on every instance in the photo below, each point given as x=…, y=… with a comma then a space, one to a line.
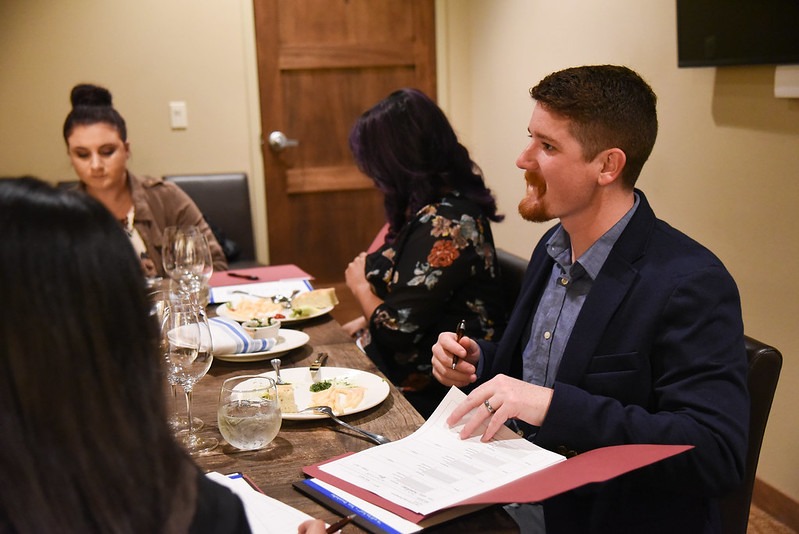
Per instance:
x=90, y=95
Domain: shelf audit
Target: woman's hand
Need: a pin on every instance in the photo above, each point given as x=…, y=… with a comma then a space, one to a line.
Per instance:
x=148, y=267
x=355, y=274
x=312, y=526
x=352, y=328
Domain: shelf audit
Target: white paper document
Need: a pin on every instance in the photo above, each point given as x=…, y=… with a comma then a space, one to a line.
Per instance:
x=264, y=514
x=262, y=289
x=433, y=468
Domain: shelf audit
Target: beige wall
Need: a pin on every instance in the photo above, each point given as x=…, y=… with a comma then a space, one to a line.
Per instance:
x=724, y=168
x=148, y=53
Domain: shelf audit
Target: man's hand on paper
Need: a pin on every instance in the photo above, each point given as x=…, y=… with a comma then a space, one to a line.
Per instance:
x=500, y=399
x=466, y=350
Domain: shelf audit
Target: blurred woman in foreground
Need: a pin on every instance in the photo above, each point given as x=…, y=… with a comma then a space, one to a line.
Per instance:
x=83, y=417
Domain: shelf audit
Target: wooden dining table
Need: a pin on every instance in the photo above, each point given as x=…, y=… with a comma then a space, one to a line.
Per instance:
x=305, y=442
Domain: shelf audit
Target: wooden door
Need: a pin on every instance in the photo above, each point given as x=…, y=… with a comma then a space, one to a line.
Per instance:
x=321, y=63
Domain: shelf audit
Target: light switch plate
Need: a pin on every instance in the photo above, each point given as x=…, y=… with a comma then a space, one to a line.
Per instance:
x=786, y=81
x=178, y=115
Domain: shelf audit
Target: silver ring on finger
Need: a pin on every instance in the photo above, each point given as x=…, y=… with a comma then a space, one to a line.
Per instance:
x=489, y=407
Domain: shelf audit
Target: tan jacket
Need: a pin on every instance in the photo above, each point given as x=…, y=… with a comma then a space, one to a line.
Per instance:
x=159, y=204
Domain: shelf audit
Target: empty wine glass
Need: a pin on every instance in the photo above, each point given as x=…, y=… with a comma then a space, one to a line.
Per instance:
x=187, y=260
x=188, y=354
x=208, y=270
x=160, y=299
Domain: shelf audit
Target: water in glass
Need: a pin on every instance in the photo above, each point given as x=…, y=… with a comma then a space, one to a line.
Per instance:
x=248, y=412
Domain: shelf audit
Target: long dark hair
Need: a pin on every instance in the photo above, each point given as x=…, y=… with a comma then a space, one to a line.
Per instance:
x=406, y=145
x=83, y=432
x=92, y=104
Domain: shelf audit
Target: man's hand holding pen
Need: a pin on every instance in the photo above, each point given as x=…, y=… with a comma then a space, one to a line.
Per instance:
x=459, y=332
x=455, y=359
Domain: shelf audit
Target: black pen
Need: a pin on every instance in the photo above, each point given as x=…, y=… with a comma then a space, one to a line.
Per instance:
x=459, y=331
x=245, y=276
x=338, y=525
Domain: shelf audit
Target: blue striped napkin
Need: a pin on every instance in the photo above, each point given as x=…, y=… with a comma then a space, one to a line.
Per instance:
x=229, y=337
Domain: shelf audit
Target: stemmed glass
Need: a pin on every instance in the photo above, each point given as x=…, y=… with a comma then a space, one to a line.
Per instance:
x=188, y=352
x=187, y=259
x=160, y=299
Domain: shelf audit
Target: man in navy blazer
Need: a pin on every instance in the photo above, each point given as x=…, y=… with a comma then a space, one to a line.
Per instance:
x=625, y=330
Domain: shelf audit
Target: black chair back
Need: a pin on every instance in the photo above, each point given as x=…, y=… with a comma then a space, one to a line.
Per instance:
x=224, y=200
x=511, y=272
x=765, y=363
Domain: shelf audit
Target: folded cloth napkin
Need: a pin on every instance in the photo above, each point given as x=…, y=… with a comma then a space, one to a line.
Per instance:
x=229, y=337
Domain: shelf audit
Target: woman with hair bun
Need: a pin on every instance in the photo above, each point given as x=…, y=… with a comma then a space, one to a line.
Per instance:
x=98, y=147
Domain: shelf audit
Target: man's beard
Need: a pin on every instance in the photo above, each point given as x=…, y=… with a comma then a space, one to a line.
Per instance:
x=531, y=206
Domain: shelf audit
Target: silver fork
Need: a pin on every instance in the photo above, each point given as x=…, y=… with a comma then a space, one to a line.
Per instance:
x=276, y=366
x=285, y=300
x=240, y=292
x=377, y=438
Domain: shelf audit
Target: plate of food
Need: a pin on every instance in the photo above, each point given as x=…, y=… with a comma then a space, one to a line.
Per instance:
x=346, y=391
x=303, y=307
x=286, y=340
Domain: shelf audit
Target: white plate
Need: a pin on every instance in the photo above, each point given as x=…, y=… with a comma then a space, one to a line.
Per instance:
x=300, y=378
x=286, y=341
x=223, y=311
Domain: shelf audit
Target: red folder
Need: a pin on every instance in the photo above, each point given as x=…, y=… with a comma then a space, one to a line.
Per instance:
x=268, y=273
x=598, y=465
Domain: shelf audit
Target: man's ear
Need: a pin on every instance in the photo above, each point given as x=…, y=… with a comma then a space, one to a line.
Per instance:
x=613, y=161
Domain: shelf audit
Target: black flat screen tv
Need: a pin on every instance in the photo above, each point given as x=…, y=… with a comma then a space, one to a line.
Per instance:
x=737, y=32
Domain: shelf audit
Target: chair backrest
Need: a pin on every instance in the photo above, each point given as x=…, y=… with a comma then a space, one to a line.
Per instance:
x=511, y=271
x=765, y=363
x=224, y=200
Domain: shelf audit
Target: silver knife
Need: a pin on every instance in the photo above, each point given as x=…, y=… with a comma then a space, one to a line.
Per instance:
x=316, y=364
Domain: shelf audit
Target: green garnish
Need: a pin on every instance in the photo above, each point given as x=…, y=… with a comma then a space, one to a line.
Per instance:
x=257, y=322
x=321, y=386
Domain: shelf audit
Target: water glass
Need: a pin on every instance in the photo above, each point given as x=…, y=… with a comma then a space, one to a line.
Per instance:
x=249, y=412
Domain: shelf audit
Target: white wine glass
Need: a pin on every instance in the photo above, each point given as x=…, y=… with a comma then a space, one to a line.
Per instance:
x=186, y=258
x=204, y=250
x=161, y=299
x=188, y=356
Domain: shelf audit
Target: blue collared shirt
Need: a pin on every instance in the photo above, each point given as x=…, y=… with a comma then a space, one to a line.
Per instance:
x=562, y=300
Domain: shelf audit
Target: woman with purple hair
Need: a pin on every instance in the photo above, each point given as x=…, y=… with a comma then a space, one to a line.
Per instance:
x=438, y=264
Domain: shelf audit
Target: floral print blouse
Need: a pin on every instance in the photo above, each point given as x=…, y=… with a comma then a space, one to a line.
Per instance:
x=441, y=268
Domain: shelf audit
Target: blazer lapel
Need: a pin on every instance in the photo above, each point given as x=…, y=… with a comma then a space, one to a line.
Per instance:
x=608, y=291
x=538, y=270
x=606, y=294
